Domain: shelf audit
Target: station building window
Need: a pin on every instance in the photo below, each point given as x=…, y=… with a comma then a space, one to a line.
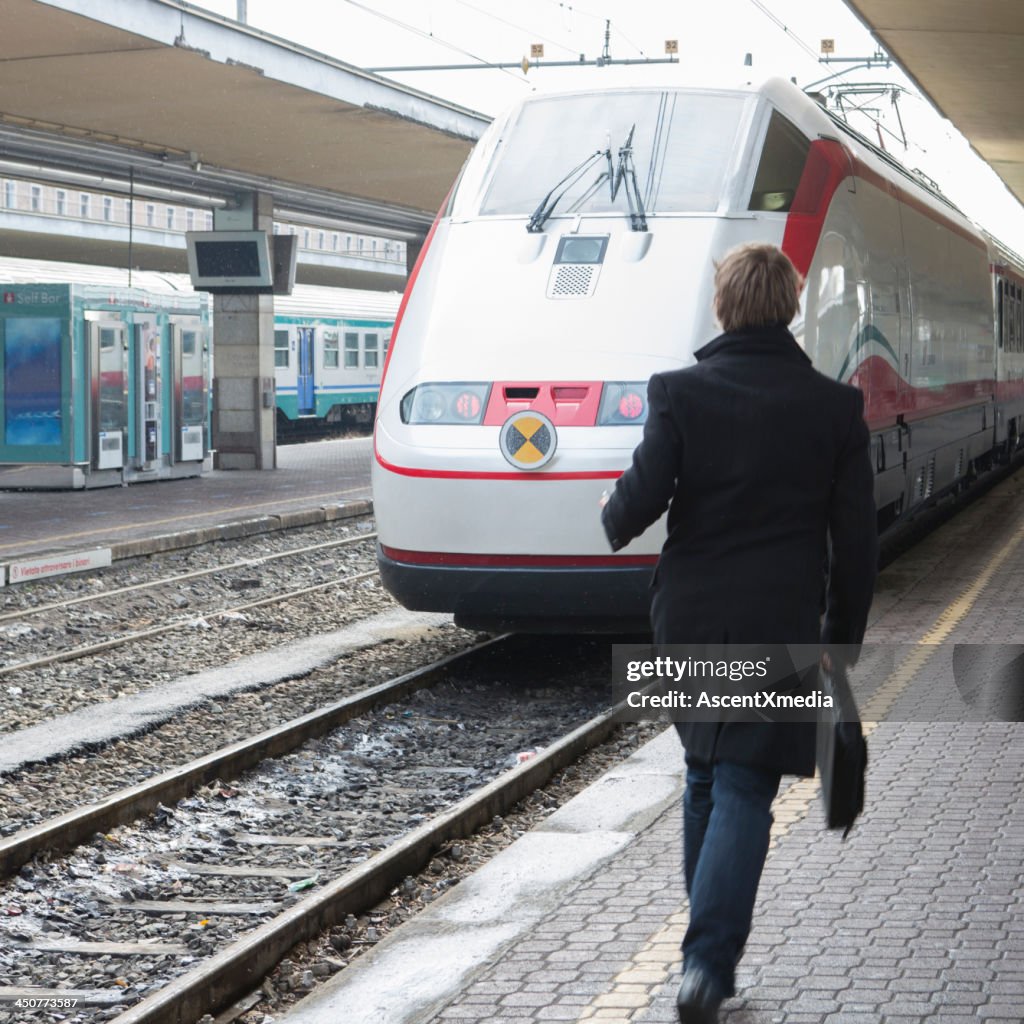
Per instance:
x=351, y=350
x=85, y=204
x=387, y=343
x=108, y=208
x=371, y=350
x=10, y=194
x=348, y=243
x=334, y=241
x=305, y=239
x=62, y=203
x=360, y=244
x=170, y=218
x=331, y=354
x=321, y=241
x=281, y=349
x=190, y=220
x=209, y=222
x=778, y=171
x=36, y=198
x=150, y=215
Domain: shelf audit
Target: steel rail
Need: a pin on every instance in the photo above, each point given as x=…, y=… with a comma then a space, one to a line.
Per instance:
x=246, y=563
x=74, y=653
x=241, y=967
x=66, y=831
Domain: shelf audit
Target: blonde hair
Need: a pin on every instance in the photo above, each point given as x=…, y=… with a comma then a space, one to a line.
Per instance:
x=755, y=285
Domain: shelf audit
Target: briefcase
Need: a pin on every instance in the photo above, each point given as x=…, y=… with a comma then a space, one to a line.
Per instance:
x=842, y=753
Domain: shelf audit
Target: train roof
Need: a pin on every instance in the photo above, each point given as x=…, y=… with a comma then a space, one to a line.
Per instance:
x=305, y=300
x=802, y=107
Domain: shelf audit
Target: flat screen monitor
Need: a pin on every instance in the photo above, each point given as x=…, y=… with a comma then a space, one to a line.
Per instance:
x=229, y=259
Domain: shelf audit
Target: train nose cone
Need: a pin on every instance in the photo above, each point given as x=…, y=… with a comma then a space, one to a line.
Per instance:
x=528, y=440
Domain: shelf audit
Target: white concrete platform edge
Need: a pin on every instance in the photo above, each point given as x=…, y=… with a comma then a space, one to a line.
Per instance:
x=424, y=964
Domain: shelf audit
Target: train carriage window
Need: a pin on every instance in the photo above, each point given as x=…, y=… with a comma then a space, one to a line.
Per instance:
x=1000, y=316
x=1011, y=319
x=351, y=350
x=782, y=162
x=371, y=349
x=1019, y=320
x=331, y=353
x=281, y=349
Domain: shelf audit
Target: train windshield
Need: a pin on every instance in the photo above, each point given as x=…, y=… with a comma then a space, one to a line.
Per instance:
x=683, y=143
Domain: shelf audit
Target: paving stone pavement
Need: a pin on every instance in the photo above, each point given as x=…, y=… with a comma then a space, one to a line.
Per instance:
x=918, y=916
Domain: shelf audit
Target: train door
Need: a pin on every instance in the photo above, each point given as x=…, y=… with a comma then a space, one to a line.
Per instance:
x=306, y=386
x=148, y=405
x=906, y=347
x=190, y=391
x=108, y=406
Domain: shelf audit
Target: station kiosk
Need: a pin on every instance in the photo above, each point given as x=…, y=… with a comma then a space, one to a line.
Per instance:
x=102, y=386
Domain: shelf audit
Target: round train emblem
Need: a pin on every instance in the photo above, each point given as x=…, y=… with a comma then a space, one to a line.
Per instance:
x=528, y=440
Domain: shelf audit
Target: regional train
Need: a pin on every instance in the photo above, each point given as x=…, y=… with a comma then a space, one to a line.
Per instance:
x=329, y=343
x=573, y=259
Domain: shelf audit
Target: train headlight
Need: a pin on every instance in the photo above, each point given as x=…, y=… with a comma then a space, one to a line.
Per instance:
x=445, y=403
x=622, y=404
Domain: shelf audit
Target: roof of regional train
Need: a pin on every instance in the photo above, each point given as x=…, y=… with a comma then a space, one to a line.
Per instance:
x=305, y=300
x=163, y=77
x=968, y=57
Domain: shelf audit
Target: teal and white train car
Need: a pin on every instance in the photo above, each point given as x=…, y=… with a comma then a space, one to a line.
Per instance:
x=329, y=350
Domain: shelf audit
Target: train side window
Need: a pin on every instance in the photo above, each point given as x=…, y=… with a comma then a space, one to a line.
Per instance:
x=351, y=350
x=331, y=350
x=782, y=162
x=1011, y=318
x=371, y=349
x=1019, y=320
x=281, y=349
x=1000, y=315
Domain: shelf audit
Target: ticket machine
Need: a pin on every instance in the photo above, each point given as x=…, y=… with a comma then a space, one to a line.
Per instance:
x=108, y=379
x=191, y=395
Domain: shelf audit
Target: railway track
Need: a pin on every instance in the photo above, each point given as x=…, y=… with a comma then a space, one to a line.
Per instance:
x=161, y=859
x=182, y=622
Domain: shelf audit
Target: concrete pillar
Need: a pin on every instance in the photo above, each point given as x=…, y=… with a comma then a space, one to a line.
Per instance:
x=244, y=405
x=413, y=249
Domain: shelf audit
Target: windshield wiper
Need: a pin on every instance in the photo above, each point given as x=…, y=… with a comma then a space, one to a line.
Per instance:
x=626, y=172
x=550, y=201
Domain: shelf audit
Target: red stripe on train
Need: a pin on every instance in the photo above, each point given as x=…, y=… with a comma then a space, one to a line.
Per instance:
x=451, y=558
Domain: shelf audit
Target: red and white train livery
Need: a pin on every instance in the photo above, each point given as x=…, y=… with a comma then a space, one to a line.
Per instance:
x=573, y=259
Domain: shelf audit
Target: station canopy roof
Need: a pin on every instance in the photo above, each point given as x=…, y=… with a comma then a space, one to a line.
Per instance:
x=968, y=57
x=195, y=102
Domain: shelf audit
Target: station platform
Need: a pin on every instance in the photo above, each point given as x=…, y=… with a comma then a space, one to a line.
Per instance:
x=917, y=917
x=311, y=482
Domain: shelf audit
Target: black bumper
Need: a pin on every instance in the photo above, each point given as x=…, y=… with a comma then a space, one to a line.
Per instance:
x=537, y=600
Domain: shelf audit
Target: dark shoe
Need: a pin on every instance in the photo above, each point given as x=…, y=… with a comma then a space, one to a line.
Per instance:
x=698, y=998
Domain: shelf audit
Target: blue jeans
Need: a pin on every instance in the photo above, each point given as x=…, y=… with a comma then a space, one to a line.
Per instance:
x=726, y=824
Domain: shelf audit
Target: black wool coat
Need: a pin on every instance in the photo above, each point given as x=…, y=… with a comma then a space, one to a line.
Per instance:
x=763, y=464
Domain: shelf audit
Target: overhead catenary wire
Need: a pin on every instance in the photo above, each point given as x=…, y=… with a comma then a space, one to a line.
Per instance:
x=431, y=37
x=512, y=24
x=807, y=48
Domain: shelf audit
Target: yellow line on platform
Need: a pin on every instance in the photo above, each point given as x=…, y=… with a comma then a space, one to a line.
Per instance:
x=633, y=989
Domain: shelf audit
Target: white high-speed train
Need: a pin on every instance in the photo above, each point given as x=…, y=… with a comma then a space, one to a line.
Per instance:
x=573, y=259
